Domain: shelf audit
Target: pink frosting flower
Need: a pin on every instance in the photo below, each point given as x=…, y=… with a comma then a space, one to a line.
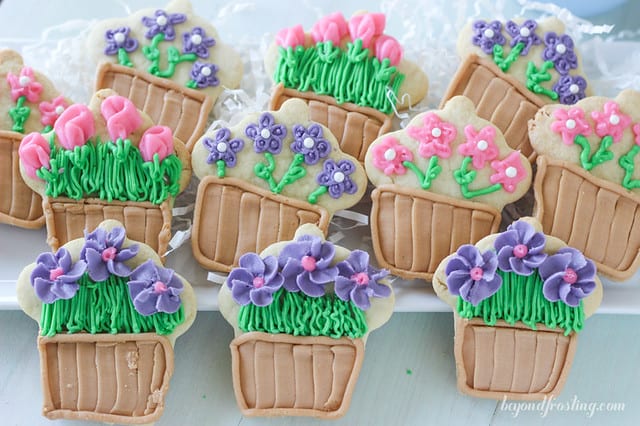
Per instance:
x=75, y=126
x=636, y=133
x=508, y=172
x=388, y=47
x=24, y=85
x=611, y=122
x=121, y=115
x=366, y=27
x=570, y=123
x=435, y=136
x=388, y=156
x=480, y=146
x=50, y=111
x=156, y=140
x=330, y=28
x=291, y=37
x=34, y=153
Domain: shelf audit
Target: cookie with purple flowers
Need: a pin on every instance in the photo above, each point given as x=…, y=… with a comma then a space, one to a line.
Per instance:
x=520, y=298
x=109, y=315
x=301, y=312
x=170, y=62
x=511, y=69
x=262, y=178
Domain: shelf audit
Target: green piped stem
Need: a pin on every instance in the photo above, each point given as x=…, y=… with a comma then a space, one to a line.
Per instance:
x=293, y=173
x=505, y=63
x=123, y=58
x=465, y=177
x=313, y=197
x=265, y=171
x=153, y=54
x=627, y=162
x=221, y=168
x=19, y=114
x=601, y=155
x=432, y=172
x=536, y=76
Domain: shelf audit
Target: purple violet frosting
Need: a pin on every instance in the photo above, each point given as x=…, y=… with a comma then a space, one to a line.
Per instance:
x=335, y=176
x=196, y=41
x=155, y=289
x=487, y=35
x=559, y=49
x=266, y=134
x=520, y=248
x=222, y=148
x=119, y=39
x=567, y=276
x=104, y=255
x=163, y=22
x=472, y=275
x=306, y=265
x=525, y=33
x=358, y=281
x=310, y=142
x=56, y=276
x=570, y=89
x=205, y=74
x=255, y=280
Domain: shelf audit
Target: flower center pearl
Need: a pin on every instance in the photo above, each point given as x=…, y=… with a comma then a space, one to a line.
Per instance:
x=361, y=278
x=476, y=273
x=265, y=133
x=258, y=282
x=511, y=172
x=109, y=253
x=119, y=38
x=482, y=145
x=525, y=32
x=570, y=276
x=520, y=251
x=196, y=39
x=308, y=263
x=59, y=109
x=570, y=124
x=390, y=154
x=221, y=147
x=436, y=132
x=488, y=33
x=338, y=177
x=159, y=287
x=614, y=119
x=308, y=142
x=24, y=81
x=574, y=89
x=161, y=20
x=55, y=273
x=561, y=48
x=206, y=71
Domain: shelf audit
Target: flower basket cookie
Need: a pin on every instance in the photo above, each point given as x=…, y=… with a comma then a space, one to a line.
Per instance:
x=520, y=298
x=106, y=161
x=351, y=74
x=109, y=315
x=262, y=178
x=301, y=312
x=511, y=69
x=587, y=187
x=440, y=183
x=28, y=103
x=169, y=62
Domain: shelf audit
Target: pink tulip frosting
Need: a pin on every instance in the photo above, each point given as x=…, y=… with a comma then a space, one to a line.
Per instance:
x=50, y=111
x=75, y=126
x=366, y=27
x=34, y=153
x=330, y=28
x=388, y=47
x=291, y=37
x=636, y=133
x=156, y=140
x=121, y=115
x=24, y=84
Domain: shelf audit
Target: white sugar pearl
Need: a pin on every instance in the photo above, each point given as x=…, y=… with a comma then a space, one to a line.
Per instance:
x=196, y=39
x=525, y=32
x=161, y=20
x=338, y=177
x=221, y=147
x=308, y=142
x=574, y=89
x=59, y=109
x=436, y=132
x=206, y=71
x=119, y=38
x=482, y=145
x=561, y=48
x=24, y=80
x=614, y=119
x=511, y=172
x=390, y=154
x=570, y=124
x=488, y=33
x=265, y=133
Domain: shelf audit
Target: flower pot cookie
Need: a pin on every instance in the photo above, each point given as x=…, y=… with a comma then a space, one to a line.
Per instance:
x=440, y=183
x=169, y=62
x=352, y=75
x=262, y=178
x=520, y=298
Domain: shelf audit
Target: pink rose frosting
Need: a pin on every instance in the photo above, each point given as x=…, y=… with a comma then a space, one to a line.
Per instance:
x=612, y=122
x=121, y=115
x=366, y=27
x=388, y=47
x=480, y=145
x=291, y=37
x=389, y=155
x=34, y=153
x=330, y=28
x=636, y=133
x=50, y=111
x=156, y=140
x=435, y=136
x=24, y=85
x=508, y=172
x=75, y=126
x=570, y=123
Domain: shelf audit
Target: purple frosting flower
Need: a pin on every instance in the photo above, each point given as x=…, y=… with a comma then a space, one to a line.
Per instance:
x=559, y=49
x=119, y=39
x=525, y=33
x=570, y=89
x=255, y=280
x=520, y=248
x=266, y=134
x=204, y=74
x=472, y=275
x=487, y=35
x=163, y=22
x=306, y=265
x=56, y=276
x=568, y=276
x=335, y=176
x=155, y=289
x=197, y=42
x=310, y=142
x=222, y=148
x=104, y=254
x=358, y=281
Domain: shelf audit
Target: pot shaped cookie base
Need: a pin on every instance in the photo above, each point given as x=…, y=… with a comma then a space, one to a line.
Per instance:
x=413, y=230
x=67, y=219
x=183, y=110
x=354, y=126
x=511, y=361
x=285, y=375
x=19, y=204
x=591, y=214
x=111, y=378
x=499, y=98
x=233, y=217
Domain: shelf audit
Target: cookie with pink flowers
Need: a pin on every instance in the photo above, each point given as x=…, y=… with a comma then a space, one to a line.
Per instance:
x=441, y=182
